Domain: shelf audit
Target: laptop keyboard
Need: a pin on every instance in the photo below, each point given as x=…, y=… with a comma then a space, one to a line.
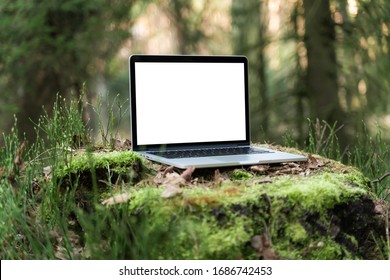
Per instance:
x=209, y=152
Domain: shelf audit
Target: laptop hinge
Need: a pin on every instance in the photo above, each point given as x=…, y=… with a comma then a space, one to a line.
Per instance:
x=195, y=146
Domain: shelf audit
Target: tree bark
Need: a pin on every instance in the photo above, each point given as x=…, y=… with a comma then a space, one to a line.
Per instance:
x=322, y=82
x=248, y=37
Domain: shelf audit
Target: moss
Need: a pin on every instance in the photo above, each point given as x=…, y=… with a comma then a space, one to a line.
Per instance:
x=326, y=249
x=240, y=174
x=296, y=232
x=315, y=193
x=217, y=221
x=116, y=161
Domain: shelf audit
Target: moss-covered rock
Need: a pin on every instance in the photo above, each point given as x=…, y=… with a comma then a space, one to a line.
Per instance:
x=117, y=162
x=280, y=211
x=297, y=215
x=84, y=174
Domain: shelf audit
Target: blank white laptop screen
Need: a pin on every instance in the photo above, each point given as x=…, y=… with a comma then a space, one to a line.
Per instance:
x=189, y=102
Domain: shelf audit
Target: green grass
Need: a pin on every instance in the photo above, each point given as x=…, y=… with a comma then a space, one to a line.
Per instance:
x=41, y=219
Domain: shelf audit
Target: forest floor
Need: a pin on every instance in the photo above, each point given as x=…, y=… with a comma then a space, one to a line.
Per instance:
x=63, y=197
x=319, y=209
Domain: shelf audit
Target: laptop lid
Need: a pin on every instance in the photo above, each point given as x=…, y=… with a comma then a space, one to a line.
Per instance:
x=180, y=101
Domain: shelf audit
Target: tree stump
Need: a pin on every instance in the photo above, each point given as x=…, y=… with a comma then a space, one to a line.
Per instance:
x=319, y=209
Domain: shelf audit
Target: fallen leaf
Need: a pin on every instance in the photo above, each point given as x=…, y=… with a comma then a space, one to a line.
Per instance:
x=187, y=174
x=312, y=159
x=265, y=180
x=127, y=144
x=116, y=144
x=146, y=182
x=117, y=199
x=218, y=177
x=293, y=165
x=47, y=173
x=168, y=170
x=174, y=179
x=313, y=163
x=159, y=178
x=171, y=191
x=261, y=169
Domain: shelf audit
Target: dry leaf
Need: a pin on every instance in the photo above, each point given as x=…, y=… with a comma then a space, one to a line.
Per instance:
x=265, y=180
x=218, y=177
x=171, y=191
x=293, y=164
x=127, y=144
x=168, y=170
x=159, y=178
x=186, y=175
x=261, y=169
x=117, y=199
x=47, y=173
x=172, y=183
x=313, y=163
x=173, y=179
x=119, y=145
x=116, y=144
x=312, y=159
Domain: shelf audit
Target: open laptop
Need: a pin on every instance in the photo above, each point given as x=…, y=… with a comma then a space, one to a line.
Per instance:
x=194, y=111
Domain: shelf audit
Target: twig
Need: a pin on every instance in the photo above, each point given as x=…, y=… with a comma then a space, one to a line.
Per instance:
x=378, y=180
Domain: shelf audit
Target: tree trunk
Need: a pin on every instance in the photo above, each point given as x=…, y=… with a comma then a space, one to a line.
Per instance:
x=322, y=85
x=249, y=39
x=187, y=24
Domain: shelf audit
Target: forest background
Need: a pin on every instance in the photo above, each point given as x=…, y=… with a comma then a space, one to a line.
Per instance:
x=309, y=60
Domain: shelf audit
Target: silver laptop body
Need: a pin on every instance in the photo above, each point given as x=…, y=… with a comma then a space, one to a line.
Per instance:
x=194, y=111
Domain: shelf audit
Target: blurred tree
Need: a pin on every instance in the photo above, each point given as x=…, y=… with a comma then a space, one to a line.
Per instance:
x=187, y=22
x=322, y=84
x=363, y=50
x=249, y=39
x=49, y=47
x=300, y=68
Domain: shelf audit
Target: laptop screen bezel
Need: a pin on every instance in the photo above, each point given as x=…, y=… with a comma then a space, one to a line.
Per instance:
x=184, y=58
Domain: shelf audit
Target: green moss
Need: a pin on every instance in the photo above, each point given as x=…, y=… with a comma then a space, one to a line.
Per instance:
x=326, y=249
x=240, y=174
x=217, y=221
x=116, y=161
x=315, y=193
x=296, y=232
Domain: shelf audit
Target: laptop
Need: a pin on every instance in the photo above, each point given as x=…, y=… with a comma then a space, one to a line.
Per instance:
x=194, y=111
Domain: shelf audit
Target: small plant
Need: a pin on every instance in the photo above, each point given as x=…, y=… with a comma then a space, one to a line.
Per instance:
x=370, y=154
x=323, y=139
x=109, y=115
